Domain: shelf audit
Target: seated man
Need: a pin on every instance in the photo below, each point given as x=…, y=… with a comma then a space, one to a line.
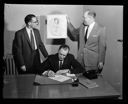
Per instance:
x=61, y=62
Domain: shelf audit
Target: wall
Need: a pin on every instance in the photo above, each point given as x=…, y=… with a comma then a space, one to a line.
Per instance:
x=14, y=20
x=112, y=18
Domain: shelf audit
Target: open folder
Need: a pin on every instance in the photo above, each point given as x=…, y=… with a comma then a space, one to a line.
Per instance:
x=58, y=79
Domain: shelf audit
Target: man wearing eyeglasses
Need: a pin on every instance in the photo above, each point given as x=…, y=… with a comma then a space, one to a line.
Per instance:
x=27, y=43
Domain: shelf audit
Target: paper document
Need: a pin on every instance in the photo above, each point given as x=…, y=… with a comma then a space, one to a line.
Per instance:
x=60, y=78
x=70, y=75
x=56, y=26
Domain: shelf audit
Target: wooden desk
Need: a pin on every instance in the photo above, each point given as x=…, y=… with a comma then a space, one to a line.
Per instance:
x=21, y=86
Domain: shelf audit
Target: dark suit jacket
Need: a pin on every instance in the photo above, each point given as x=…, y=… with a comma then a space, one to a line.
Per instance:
x=22, y=50
x=52, y=63
x=95, y=47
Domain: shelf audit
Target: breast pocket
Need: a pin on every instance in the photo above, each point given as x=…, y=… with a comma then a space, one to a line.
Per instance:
x=93, y=40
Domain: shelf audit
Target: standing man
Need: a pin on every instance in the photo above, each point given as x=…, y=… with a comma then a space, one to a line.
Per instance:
x=91, y=42
x=27, y=43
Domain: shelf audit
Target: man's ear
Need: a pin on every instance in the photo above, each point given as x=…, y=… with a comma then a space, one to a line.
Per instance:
x=29, y=23
x=84, y=24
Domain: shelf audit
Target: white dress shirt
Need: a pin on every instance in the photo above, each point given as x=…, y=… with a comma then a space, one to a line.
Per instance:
x=89, y=29
x=28, y=31
x=60, y=61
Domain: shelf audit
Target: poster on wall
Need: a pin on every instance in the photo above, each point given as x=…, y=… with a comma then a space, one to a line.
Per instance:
x=56, y=26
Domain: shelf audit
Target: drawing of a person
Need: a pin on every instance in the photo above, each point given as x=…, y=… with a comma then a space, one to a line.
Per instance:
x=56, y=27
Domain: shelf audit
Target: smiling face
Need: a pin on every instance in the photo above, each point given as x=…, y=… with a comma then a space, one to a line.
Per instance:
x=88, y=19
x=62, y=53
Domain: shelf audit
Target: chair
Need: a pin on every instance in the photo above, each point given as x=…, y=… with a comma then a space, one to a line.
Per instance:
x=10, y=67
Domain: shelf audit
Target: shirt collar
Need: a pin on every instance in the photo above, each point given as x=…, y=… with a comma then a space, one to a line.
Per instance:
x=28, y=29
x=92, y=24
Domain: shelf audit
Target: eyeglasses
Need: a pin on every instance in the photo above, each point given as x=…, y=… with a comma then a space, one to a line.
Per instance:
x=35, y=21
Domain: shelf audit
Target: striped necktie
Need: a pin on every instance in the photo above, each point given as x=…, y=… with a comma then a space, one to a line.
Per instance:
x=60, y=64
x=32, y=40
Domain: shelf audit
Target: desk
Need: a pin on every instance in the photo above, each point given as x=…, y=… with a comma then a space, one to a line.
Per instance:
x=21, y=86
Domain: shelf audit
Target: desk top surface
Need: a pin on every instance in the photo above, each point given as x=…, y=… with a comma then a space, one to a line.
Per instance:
x=21, y=86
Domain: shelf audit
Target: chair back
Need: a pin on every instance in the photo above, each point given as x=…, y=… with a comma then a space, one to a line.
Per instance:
x=10, y=68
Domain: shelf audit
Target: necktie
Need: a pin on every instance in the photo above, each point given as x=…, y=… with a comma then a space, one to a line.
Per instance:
x=60, y=65
x=85, y=38
x=32, y=40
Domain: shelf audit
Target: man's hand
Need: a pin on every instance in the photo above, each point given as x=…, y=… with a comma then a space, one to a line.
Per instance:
x=42, y=60
x=23, y=68
x=45, y=73
x=68, y=20
x=100, y=67
x=51, y=73
x=63, y=71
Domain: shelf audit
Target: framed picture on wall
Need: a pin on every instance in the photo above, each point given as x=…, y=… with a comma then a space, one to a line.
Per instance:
x=56, y=26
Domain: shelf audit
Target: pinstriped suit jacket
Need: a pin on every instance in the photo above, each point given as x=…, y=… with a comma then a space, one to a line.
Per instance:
x=22, y=49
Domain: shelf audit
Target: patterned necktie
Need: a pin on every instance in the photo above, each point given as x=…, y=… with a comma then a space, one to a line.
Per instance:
x=60, y=65
x=85, y=37
x=32, y=40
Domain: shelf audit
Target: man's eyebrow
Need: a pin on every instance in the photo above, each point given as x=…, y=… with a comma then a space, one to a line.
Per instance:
x=62, y=54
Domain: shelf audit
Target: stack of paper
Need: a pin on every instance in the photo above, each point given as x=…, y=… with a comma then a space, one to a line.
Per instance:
x=88, y=83
x=60, y=78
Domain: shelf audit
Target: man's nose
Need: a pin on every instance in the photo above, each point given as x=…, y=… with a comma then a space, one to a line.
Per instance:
x=62, y=57
x=37, y=23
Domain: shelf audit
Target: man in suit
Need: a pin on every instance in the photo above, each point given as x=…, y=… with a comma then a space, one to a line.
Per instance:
x=91, y=42
x=27, y=43
x=60, y=63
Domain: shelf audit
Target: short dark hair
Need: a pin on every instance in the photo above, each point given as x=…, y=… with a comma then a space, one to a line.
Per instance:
x=64, y=46
x=91, y=13
x=28, y=18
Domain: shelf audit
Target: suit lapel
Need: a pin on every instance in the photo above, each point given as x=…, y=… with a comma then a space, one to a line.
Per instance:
x=35, y=34
x=26, y=36
x=93, y=32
